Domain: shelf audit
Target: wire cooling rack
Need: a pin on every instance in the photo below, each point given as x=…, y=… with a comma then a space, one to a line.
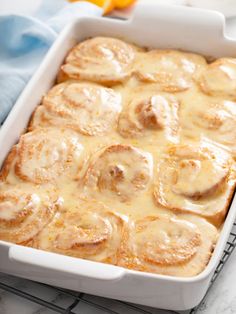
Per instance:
x=70, y=302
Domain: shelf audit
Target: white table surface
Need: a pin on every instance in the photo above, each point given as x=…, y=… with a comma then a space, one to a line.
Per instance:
x=220, y=300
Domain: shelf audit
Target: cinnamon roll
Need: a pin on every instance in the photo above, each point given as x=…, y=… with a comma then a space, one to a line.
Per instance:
x=156, y=113
x=43, y=155
x=24, y=214
x=100, y=59
x=120, y=171
x=88, y=231
x=85, y=107
x=215, y=120
x=172, y=70
x=197, y=180
x=219, y=78
x=169, y=246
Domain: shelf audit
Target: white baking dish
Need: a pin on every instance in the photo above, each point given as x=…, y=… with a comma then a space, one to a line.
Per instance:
x=154, y=26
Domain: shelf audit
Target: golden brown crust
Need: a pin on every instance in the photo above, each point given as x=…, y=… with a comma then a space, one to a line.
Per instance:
x=62, y=76
x=24, y=215
x=89, y=231
x=215, y=119
x=168, y=246
x=8, y=163
x=84, y=107
x=101, y=59
x=172, y=70
x=219, y=78
x=43, y=155
x=197, y=180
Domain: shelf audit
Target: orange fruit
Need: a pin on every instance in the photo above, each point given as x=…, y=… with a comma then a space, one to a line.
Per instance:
x=121, y=4
x=106, y=5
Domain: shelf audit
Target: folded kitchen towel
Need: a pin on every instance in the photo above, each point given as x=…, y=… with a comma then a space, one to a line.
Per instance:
x=24, y=42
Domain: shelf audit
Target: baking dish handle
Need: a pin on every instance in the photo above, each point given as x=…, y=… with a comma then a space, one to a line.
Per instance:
x=196, y=21
x=55, y=262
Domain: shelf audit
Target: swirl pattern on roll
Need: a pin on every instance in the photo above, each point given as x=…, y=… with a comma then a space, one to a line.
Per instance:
x=172, y=70
x=121, y=171
x=195, y=179
x=23, y=215
x=88, y=231
x=101, y=59
x=84, y=107
x=170, y=246
x=42, y=155
x=215, y=120
x=147, y=115
x=219, y=78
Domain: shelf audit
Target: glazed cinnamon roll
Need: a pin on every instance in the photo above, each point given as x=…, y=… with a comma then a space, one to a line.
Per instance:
x=172, y=70
x=24, y=214
x=215, y=120
x=85, y=107
x=88, y=231
x=100, y=59
x=197, y=180
x=120, y=171
x=169, y=246
x=219, y=78
x=43, y=155
x=156, y=113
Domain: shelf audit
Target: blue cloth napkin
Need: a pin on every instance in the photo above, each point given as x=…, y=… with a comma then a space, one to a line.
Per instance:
x=24, y=41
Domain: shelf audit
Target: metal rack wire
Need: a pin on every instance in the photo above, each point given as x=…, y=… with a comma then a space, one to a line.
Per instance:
x=76, y=302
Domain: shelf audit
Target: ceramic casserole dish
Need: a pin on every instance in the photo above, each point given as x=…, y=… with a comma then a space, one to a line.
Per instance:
x=193, y=30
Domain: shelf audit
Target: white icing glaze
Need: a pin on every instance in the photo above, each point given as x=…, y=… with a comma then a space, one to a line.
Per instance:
x=154, y=151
